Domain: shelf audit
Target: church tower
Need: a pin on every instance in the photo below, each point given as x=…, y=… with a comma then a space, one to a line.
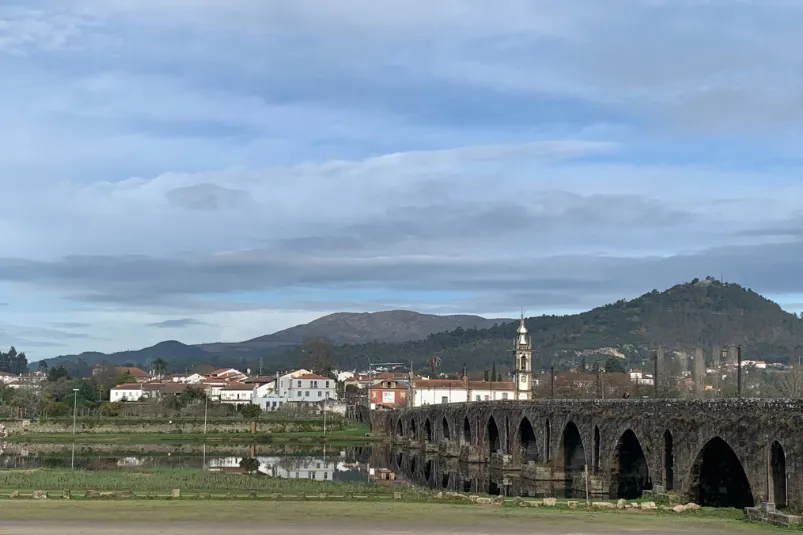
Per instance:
x=524, y=362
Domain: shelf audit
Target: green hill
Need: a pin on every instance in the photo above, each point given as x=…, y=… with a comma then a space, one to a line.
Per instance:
x=702, y=314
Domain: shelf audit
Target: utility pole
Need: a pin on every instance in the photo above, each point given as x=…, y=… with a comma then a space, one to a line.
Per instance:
x=655, y=374
x=739, y=371
x=552, y=382
x=74, y=413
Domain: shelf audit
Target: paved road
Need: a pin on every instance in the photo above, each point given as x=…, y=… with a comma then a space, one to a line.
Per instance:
x=548, y=527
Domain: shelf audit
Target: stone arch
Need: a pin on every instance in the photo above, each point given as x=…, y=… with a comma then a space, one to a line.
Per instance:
x=427, y=430
x=778, y=475
x=428, y=472
x=413, y=465
x=669, y=460
x=597, y=440
x=413, y=428
x=493, y=436
x=399, y=428
x=718, y=479
x=528, y=442
x=547, y=440
x=573, y=451
x=447, y=434
x=630, y=474
x=466, y=431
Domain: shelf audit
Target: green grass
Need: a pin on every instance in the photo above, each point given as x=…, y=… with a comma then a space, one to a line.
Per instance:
x=352, y=434
x=162, y=481
x=406, y=516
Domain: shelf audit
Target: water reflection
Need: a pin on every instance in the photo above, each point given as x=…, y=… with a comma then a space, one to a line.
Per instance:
x=378, y=465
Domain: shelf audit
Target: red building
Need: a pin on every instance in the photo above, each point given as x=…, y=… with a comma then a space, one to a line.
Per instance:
x=389, y=393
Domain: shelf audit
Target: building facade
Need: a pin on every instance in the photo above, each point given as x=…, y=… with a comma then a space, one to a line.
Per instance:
x=389, y=394
x=523, y=352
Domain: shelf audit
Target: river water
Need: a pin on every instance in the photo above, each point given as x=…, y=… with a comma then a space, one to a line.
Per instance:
x=376, y=465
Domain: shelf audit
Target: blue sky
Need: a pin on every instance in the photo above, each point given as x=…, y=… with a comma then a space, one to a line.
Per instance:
x=205, y=170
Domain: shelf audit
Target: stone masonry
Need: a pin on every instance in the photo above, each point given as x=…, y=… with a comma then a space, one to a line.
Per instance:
x=678, y=441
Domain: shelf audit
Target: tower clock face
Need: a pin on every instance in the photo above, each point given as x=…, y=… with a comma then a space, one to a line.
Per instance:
x=523, y=379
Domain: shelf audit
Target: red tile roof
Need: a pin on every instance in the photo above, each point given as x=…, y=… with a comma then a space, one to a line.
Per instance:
x=238, y=386
x=128, y=386
x=313, y=376
x=136, y=372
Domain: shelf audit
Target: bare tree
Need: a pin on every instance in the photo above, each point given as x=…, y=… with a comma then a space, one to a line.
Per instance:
x=318, y=355
x=789, y=384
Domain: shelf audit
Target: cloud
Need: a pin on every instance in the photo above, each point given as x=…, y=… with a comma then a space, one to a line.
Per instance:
x=244, y=165
x=178, y=323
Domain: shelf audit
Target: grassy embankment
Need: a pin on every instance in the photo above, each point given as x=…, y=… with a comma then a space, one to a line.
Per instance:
x=350, y=434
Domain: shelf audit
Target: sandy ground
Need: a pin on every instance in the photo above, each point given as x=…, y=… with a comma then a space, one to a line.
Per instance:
x=307, y=518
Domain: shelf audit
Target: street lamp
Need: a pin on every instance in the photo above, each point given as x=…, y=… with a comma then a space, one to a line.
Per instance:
x=74, y=413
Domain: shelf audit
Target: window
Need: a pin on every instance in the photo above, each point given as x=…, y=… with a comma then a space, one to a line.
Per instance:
x=445, y=399
x=326, y=475
x=299, y=394
x=479, y=398
x=317, y=465
x=327, y=395
x=327, y=384
x=312, y=475
x=504, y=395
x=306, y=393
x=487, y=397
x=297, y=475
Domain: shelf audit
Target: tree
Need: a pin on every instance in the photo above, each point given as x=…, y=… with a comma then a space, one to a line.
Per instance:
x=160, y=366
x=251, y=412
x=434, y=363
x=318, y=355
x=614, y=365
x=249, y=464
x=57, y=373
x=125, y=378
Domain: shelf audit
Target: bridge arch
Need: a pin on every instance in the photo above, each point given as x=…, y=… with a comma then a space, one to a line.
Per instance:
x=547, y=440
x=629, y=472
x=596, y=453
x=413, y=426
x=528, y=442
x=399, y=428
x=493, y=436
x=445, y=430
x=718, y=478
x=427, y=430
x=778, y=476
x=466, y=431
x=573, y=451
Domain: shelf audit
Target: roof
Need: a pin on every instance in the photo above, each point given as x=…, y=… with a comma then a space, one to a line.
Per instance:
x=136, y=372
x=226, y=371
x=238, y=386
x=458, y=383
x=313, y=376
x=128, y=386
x=260, y=379
x=6, y=374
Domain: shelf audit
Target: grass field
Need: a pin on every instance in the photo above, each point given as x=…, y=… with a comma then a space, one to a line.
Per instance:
x=354, y=434
x=424, y=517
x=161, y=482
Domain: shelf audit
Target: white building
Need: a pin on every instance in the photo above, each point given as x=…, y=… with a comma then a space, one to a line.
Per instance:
x=236, y=394
x=439, y=391
x=311, y=388
x=126, y=392
x=6, y=377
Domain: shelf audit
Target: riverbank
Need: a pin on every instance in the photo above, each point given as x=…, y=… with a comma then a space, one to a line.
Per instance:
x=346, y=435
x=353, y=518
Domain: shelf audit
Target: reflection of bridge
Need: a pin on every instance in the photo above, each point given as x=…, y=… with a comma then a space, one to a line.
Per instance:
x=718, y=453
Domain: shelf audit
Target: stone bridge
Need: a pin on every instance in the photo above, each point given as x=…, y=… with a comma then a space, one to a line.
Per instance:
x=733, y=453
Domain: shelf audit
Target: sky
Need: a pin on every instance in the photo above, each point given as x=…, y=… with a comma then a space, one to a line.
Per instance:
x=208, y=170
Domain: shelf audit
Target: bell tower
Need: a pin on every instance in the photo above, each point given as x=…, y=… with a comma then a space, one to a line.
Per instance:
x=524, y=362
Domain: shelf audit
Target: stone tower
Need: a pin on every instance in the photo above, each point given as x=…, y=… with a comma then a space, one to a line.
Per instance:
x=524, y=362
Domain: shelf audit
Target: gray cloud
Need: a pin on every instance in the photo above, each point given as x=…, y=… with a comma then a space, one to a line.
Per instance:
x=179, y=323
x=208, y=196
x=70, y=324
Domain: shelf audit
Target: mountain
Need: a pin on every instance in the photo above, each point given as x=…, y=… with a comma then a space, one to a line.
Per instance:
x=344, y=327
x=702, y=314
